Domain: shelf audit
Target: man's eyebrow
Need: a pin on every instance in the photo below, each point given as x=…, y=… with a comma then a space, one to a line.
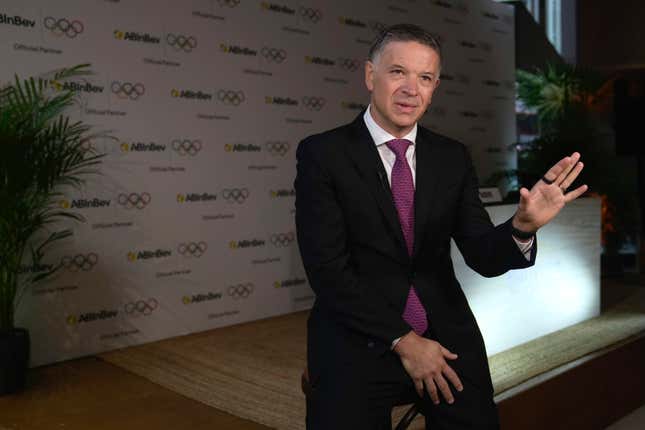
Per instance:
x=398, y=66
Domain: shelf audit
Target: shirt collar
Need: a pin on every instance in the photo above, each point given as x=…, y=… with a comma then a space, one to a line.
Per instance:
x=379, y=135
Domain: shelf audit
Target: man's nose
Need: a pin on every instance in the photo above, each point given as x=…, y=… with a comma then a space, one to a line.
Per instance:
x=410, y=86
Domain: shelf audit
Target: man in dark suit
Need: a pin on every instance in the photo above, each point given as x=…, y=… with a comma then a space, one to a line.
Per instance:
x=377, y=202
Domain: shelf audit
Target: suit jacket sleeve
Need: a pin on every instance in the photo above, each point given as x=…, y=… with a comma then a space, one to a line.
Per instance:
x=323, y=242
x=488, y=250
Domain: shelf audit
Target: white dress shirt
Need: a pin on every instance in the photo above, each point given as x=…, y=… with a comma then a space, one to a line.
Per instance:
x=380, y=137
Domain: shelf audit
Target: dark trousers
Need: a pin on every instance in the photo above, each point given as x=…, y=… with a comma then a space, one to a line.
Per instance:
x=362, y=397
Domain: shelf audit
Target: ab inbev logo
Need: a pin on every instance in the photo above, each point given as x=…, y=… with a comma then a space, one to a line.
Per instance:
x=195, y=197
x=191, y=94
x=321, y=61
x=351, y=105
x=145, y=254
x=238, y=50
x=288, y=283
x=242, y=147
x=280, y=100
x=279, y=8
x=84, y=203
x=202, y=297
x=88, y=317
x=246, y=243
x=81, y=87
x=141, y=147
x=282, y=193
x=16, y=20
x=134, y=36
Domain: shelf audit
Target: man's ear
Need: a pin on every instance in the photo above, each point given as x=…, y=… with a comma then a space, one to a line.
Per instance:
x=369, y=75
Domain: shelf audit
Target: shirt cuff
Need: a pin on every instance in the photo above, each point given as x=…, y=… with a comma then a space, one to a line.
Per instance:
x=394, y=342
x=525, y=247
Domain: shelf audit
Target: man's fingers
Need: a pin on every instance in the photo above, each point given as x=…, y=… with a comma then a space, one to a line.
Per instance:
x=453, y=378
x=447, y=354
x=555, y=171
x=432, y=390
x=444, y=388
x=572, y=176
x=418, y=385
x=571, y=162
x=572, y=195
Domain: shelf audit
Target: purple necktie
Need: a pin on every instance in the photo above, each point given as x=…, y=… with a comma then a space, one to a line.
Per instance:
x=403, y=192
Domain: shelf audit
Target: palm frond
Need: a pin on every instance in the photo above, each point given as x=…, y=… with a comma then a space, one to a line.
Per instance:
x=41, y=151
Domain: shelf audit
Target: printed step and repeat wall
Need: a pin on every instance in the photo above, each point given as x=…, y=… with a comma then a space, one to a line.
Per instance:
x=190, y=224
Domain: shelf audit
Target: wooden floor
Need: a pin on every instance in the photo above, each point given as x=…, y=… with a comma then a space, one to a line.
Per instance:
x=89, y=393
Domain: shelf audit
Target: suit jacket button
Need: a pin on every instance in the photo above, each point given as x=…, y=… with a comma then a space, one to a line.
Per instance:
x=370, y=344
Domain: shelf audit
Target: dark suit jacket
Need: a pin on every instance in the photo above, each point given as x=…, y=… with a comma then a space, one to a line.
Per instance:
x=355, y=256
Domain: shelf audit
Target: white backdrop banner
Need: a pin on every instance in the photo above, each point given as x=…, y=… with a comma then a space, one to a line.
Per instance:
x=191, y=224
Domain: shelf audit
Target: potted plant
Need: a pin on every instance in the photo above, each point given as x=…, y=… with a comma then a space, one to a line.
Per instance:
x=568, y=109
x=41, y=150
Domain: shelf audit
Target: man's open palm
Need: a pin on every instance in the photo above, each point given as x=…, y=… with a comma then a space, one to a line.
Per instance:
x=549, y=195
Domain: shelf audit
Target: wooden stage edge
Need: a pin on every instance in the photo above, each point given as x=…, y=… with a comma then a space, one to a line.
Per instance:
x=587, y=394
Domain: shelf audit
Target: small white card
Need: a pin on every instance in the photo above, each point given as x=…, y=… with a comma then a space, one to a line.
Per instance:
x=490, y=195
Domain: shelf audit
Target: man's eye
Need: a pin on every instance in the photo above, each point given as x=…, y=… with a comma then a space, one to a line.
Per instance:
x=426, y=78
x=397, y=71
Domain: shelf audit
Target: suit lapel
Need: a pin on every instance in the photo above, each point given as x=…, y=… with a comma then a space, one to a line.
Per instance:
x=428, y=175
x=367, y=161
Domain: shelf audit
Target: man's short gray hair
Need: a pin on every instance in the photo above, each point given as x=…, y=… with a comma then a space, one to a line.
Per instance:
x=404, y=33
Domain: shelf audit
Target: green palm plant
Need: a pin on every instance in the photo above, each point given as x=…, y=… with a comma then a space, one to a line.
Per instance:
x=571, y=108
x=41, y=151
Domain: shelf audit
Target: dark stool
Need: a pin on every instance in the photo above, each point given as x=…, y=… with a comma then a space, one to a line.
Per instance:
x=402, y=425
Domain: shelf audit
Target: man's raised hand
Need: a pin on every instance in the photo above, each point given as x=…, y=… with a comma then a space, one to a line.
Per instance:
x=549, y=195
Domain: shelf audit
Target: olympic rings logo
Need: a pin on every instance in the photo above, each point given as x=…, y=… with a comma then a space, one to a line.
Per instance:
x=192, y=249
x=274, y=55
x=235, y=195
x=313, y=103
x=128, y=90
x=240, y=291
x=134, y=200
x=281, y=240
x=181, y=42
x=348, y=64
x=80, y=262
x=141, y=307
x=63, y=26
x=277, y=147
x=229, y=3
x=230, y=97
x=310, y=14
x=185, y=146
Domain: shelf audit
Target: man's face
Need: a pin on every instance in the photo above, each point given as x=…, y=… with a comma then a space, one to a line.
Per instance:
x=402, y=80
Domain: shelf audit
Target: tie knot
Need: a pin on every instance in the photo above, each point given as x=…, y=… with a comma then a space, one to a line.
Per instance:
x=399, y=146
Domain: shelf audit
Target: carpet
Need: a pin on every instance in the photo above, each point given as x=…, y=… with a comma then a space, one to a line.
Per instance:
x=253, y=370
